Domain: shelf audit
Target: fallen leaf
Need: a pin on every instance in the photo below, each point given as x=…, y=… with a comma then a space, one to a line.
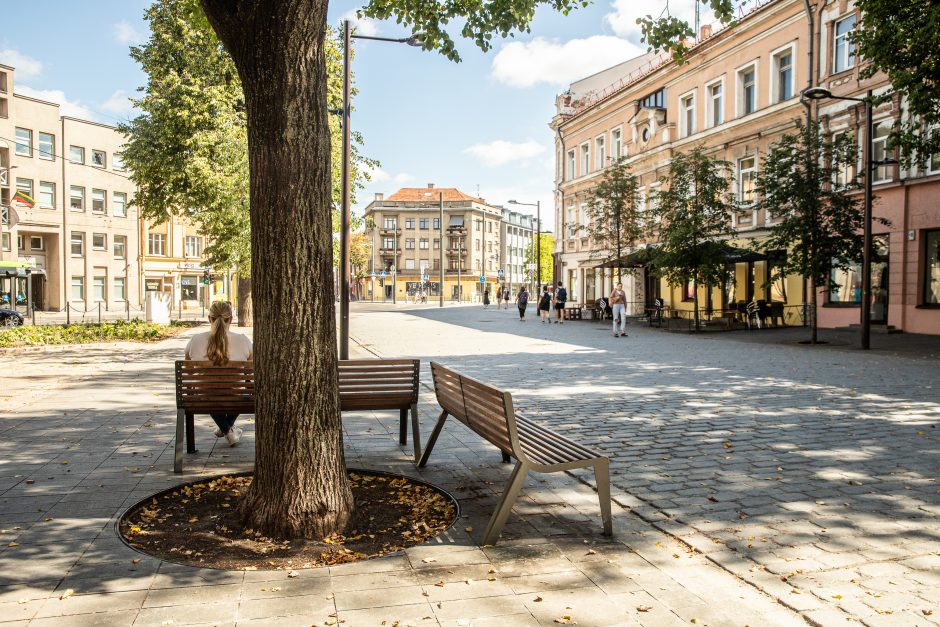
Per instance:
x=66, y=594
x=537, y=599
x=135, y=561
x=644, y=608
x=837, y=596
x=292, y=574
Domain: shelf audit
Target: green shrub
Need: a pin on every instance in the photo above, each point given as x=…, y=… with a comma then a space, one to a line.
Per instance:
x=126, y=331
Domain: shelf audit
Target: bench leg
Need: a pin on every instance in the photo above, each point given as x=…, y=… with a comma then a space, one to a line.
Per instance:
x=403, y=426
x=431, y=440
x=178, y=445
x=506, y=501
x=190, y=433
x=506, y=457
x=602, y=479
x=415, y=433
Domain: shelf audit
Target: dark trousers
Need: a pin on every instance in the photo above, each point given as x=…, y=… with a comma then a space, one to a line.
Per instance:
x=522, y=312
x=224, y=421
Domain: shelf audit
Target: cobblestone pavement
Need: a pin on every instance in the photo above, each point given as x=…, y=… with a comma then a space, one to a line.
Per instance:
x=85, y=432
x=809, y=472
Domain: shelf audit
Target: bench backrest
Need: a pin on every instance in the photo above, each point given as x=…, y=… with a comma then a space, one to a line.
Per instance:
x=485, y=409
x=378, y=383
x=202, y=386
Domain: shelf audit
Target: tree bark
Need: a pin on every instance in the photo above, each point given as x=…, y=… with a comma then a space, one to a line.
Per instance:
x=243, y=284
x=300, y=487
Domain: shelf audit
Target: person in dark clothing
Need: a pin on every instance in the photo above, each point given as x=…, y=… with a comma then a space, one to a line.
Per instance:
x=522, y=300
x=545, y=305
x=561, y=297
x=486, y=298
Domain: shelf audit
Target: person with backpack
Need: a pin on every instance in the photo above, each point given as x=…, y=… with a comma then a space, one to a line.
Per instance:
x=522, y=300
x=561, y=297
x=545, y=305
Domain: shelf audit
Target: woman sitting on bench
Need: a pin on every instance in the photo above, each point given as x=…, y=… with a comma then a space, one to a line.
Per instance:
x=220, y=347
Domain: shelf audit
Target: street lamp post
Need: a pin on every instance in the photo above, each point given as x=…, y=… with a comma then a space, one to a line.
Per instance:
x=821, y=93
x=538, y=237
x=344, y=217
x=440, y=250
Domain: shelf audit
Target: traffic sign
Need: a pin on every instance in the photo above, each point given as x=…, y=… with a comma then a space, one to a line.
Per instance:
x=382, y=274
x=373, y=274
x=426, y=277
x=482, y=279
x=500, y=273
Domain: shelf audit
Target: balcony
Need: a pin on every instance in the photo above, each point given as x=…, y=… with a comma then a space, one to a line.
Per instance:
x=389, y=231
x=452, y=252
x=456, y=230
x=390, y=251
x=4, y=177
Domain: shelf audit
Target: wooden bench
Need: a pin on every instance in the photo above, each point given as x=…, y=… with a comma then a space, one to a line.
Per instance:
x=489, y=412
x=364, y=384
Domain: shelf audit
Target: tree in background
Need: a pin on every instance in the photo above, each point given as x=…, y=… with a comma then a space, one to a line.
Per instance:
x=360, y=253
x=547, y=266
x=694, y=217
x=616, y=219
x=820, y=222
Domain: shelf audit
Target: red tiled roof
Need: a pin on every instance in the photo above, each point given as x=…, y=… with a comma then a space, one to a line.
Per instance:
x=417, y=194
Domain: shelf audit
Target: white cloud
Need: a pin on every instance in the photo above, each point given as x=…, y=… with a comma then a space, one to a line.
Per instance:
x=70, y=108
x=623, y=18
x=26, y=67
x=377, y=175
x=119, y=104
x=124, y=33
x=501, y=152
x=362, y=25
x=403, y=177
x=524, y=64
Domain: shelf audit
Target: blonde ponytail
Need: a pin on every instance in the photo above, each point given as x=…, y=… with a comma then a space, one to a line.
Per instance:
x=220, y=315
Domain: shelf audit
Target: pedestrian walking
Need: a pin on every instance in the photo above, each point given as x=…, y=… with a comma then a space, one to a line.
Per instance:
x=618, y=303
x=545, y=305
x=522, y=300
x=561, y=297
x=486, y=298
x=220, y=346
x=506, y=296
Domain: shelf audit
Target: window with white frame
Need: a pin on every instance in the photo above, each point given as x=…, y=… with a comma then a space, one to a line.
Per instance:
x=390, y=223
x=119, y=204
x=410, y=243
x=616, y=144
x=35, y=242
x=572, y=221
x=117, y=162
x=46, y=195
x=880, y=152
x=424, y=243
x=5, y=241
x=600, y=153
x=97, y=288
x=570, y=159
x=24, y=142
x=99, y=241
x=119, y=293
x=843, y=49
x=585, y=158
x=842, y=173
x=652, y=201
x=98, y=159
x=78, y=244
x=585, y=220
x=120, y=246
x=78, y=288
x=747, y=174
x=409, y=264
x=25, y=186
x=98, y=200
x=77, y=155
x=76, y=198
x=716, y=101
x=747, y=90
x=687, y=115
x=192, y=246
x=156, y=244
x=46, y=146
x=410, y=223
x=783, y=75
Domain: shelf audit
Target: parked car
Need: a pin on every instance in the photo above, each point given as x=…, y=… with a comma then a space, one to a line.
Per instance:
x=10, y=318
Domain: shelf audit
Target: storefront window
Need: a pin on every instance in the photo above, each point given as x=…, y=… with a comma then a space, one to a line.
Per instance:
x=932, y=269
x=189, y=288
x=848, y=283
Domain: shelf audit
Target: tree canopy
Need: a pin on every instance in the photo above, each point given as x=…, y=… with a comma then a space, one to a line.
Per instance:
x=616, y=219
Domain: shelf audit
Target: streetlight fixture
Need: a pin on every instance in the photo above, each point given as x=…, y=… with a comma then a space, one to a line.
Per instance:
x=414, y=40
x=821, y=93
x=538, y=236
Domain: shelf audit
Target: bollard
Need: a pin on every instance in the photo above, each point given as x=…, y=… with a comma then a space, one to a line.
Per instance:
x=68, y=313
x=99, y=312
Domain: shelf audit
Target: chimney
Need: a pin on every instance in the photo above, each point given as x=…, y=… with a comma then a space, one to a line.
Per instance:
x=705, y=32
x=379, y=196
x=430, y=185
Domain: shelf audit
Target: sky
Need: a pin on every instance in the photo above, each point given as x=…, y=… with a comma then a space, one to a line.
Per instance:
x=480, y=125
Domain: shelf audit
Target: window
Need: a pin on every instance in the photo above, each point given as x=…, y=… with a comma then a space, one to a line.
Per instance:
x=843, y=172
x=388, y=243
x=192, y=246
x=572, y=222
x=24, y=142
x=156, y=244
x=120, y=246
x=119, y=291
x=616, y=143
x=117, y=162
x=47, y=146
x=476, y=244
x=35, y=242
x=77, y=198
x=747, y=173
x=189, y=287
x=423, y=223
x=20, y=242
x=687, y=115
x=119, y=204
x=600, y=156
x=25, y=186
x=847, y=284
x=98, y=159
x=5, y=243
x=410, y=243
x=585, y=158
x=46, y=195
x=97, y=288
x=932, y=268
x=716, y=113
x=436, y=223
x=880, y=151
x=409, y=223
x=78, y=288
x=423, y=243
x=390, y=223
x=409, y=264
x=99, y=241
x=437, y=243
x=77, y=154
x=747, y=82
x=570, y=165
x=843, y=49
x=78, y=244
x=98, y=200
x=783, y=75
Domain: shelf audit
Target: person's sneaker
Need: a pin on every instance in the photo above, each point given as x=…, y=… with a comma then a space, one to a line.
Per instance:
x=219, y=434
x=234, y=435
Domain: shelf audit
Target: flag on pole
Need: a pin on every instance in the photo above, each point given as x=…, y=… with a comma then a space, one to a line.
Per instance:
x=24, y=199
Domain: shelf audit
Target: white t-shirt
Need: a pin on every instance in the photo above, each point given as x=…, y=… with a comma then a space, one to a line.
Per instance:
x=239, y=347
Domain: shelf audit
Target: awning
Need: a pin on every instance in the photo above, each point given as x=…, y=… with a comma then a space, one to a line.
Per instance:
x=18, y=269
x=638, y=259
x=455, y=221
x=743, y=255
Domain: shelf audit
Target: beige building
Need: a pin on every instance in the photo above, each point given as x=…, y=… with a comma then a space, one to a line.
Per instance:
x=407, y=233
x=173, y=263
x=79, y=237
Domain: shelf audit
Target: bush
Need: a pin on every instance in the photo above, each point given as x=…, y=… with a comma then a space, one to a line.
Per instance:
x=126, y=331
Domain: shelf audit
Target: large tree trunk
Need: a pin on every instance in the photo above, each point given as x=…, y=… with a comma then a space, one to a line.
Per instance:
x=300, y=487
x=243, y=284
